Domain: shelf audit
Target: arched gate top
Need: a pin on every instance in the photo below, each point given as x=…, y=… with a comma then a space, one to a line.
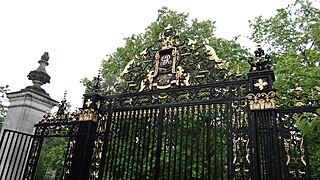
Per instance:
x=174, y=63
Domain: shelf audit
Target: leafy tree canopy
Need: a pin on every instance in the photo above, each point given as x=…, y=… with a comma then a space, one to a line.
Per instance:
x=3, y=100
x=294, y=36
x=201, y=31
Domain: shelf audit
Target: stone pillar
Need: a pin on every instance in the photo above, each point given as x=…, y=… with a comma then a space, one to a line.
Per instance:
x=26, y=109
x=29, y=105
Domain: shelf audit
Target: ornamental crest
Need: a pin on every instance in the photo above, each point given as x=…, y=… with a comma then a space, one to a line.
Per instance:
x=174, y=63
x=165, y=62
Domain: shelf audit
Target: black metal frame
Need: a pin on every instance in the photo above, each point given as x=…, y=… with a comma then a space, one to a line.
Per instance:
x=168, y=118
x=189, y=110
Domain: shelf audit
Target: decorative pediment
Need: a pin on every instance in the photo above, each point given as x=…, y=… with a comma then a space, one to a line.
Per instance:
x=174, y=63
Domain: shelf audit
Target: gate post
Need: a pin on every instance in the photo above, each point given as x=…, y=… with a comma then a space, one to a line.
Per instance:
x=85, y=138
x=262, y=114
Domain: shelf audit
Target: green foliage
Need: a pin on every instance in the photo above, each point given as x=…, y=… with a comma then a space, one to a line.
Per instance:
x=52, y=158
x=294, y=36
x=201, y=31
x=309, y=124
x=193, y=144
x=3, y=100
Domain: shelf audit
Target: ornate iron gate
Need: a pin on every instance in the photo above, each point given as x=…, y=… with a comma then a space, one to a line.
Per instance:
x=178, y=139
x=178, y=112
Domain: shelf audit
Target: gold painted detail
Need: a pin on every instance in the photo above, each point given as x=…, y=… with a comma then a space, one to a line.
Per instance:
x=295, y=160
x=68, y=159
x=88, y=115
x=174, y=63
x=88, y=103
x=294, y=146
x=212, y=54
x=35, y=149
x=96, y=158
x=262, y=100
x=168, y=37
x=260, y=84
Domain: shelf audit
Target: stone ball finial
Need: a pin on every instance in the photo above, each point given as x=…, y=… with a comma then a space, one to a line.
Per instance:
x=40, y=76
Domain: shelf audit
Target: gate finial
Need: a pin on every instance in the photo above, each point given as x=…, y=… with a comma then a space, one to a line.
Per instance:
x=261, y=61
x=98, y=79
x=40, y=76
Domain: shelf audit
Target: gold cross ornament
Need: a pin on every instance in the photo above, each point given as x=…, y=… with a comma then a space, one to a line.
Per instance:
x=88, y=103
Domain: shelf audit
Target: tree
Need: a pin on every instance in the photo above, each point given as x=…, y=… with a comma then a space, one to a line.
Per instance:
x=294, y=36
x=3, y=103
x=201, y=31
x=309, y=123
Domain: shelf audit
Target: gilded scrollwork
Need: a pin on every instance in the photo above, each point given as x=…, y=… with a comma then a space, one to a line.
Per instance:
x=88, y=115
x=174, y=63
x=68, y=159
x=262, y=100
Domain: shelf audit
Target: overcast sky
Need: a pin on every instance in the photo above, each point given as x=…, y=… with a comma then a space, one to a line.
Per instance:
x=79, y=34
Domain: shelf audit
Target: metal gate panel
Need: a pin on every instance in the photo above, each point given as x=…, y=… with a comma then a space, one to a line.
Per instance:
x=169, y=142
x=14, y=148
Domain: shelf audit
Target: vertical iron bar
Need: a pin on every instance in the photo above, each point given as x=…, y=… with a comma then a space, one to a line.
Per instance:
x=159, y=142
x=155, y=121
x=14, y=154
x=23, y=139
x=193, y=110
x=110, y=149
x=7, y=155
x=146, y=119
x=126, y=139
x=197, y=139
x=170, y=139
x=114, y=141
x=132, y=115
x=105, y=145
x=5, y=149
x=186, y=150
x=3, y=146
x=216, y=116
x=177, y=123
x=30, y=140
x=276, y=144
x=164, y=137
x=141, y=121
x=271, y=169
x=208, y=141
x=136, y=118
x=203, y=125
x=229, y=131
x=261, y=141
x=120, y=140
x=149, y=142
x=182, y=121
x=222, y=117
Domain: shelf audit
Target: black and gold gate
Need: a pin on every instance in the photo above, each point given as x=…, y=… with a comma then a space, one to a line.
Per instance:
x=178, y=112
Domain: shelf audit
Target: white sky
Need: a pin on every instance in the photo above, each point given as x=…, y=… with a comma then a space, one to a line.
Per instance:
x=79, y=34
